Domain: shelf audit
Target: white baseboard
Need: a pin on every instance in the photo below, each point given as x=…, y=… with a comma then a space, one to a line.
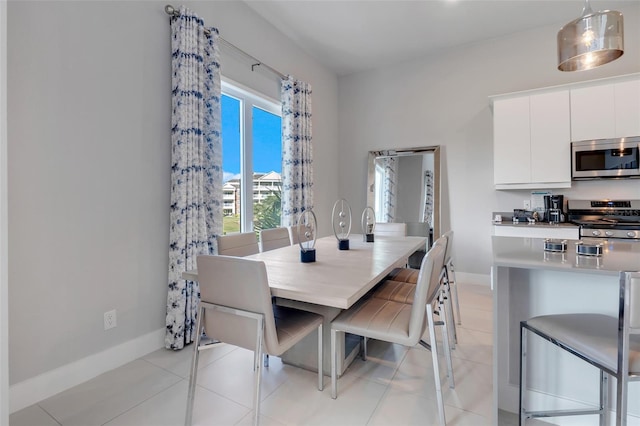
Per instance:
x=468, y=278
x=45, y=385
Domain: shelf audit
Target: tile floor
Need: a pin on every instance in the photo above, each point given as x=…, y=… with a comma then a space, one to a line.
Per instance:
x=393, y=387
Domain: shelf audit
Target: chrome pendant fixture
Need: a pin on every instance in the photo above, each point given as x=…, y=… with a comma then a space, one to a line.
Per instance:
x=594, y=39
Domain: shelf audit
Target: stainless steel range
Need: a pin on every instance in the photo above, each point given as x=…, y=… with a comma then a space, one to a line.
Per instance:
x=618, y=219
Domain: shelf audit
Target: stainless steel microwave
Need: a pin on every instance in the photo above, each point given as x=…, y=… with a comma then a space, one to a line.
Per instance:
x=606, y=158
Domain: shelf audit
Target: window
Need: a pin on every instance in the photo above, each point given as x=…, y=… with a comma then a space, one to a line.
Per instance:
x=251, y=159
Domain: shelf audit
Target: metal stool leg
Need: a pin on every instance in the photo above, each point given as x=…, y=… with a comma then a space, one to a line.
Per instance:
x=523, y=374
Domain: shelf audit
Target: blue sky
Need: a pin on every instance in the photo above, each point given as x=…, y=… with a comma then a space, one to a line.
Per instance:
x=267, y=145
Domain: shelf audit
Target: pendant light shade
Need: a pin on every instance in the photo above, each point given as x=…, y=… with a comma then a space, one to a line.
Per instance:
x=592, y=40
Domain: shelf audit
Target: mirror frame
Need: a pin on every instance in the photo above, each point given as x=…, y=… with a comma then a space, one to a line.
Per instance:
x=400, y=152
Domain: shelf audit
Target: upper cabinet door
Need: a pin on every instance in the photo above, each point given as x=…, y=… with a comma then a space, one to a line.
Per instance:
x=511, y=141
x=627, y=108
x=592, y=113
x=550, y=137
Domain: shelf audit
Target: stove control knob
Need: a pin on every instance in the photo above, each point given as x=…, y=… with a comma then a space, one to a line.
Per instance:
x=595, y=233
x=608, y=233
x=631, y=234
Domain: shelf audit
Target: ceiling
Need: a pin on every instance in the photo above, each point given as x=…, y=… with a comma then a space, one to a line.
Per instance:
x=349, y=36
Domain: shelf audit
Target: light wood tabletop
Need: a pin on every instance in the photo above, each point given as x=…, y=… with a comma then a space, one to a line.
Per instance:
x=338, y=278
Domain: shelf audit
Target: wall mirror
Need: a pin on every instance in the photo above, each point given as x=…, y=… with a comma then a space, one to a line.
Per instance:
x=403, y=185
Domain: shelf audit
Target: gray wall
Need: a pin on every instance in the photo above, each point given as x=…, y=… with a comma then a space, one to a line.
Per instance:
x=89, y=153
x=4, y=286
x=444, y=100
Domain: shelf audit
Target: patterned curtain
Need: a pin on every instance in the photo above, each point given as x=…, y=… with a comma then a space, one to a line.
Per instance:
x=297, y=153
x=196, y=167
x=428, y=197
x=389, y=189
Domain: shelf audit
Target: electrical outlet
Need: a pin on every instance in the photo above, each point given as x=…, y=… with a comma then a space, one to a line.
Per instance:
x=110, y=319
x=527, y=204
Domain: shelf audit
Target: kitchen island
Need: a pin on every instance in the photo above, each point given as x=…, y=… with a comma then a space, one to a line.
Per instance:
x=526, y=282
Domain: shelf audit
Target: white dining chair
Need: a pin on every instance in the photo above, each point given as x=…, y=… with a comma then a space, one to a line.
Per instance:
x=293, y=234
x=241, y=244
x=236, y=297
x=392, y=286
x=610, y=343
x=271, y=239
x=397, y=322
x=400, y=286
x=390, y=229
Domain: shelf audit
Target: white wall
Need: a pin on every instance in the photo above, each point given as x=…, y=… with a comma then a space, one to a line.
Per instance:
x=89, y=147
x=443, y=100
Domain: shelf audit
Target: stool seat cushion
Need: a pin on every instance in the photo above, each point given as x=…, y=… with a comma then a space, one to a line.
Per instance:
x=592, y=335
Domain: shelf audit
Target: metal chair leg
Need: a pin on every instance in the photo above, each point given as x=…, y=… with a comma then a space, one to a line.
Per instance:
x=447, y=310
x=436, y=368
x=453, y=286
x=447, y=350
x=194, y=369
x=258, y=372
x=363, y=353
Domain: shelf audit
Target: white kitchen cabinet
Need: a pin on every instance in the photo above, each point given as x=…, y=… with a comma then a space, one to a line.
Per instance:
x=531, y=141
x=605, y=111
x=627, y=106
x=511, y=141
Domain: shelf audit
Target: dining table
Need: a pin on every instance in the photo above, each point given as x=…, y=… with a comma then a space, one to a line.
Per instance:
x=334, y=282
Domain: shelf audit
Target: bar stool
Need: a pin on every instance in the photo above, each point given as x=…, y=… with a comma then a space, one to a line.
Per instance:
x=612, y=344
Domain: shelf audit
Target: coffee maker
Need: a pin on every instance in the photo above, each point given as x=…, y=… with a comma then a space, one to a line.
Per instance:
x=553, y=208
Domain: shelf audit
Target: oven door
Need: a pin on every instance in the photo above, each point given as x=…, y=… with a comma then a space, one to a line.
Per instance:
x=605, y=158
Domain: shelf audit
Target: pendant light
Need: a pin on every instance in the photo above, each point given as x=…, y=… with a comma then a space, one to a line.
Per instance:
x=592, y=40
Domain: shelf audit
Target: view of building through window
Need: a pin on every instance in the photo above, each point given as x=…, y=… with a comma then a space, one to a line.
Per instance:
x=251, y=161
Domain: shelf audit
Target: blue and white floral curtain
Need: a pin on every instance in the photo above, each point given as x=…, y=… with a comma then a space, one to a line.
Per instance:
x=389, y=189
x=297, y=153
x=196, y=167
x=428, y=197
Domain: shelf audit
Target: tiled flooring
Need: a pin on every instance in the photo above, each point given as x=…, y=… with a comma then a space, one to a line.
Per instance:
x=393, y=387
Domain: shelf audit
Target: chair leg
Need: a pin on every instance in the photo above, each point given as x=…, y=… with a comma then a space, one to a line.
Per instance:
x=436, y=368
x=194, y=369
x=257, y=367
x=451, y=279
x=320, y=360
x=447, y=316
x=334, y=366
x=447, y=349
x=523, y=374
x=364, y=343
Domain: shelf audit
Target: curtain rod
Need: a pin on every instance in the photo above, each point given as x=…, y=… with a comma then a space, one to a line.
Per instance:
x=172, y=11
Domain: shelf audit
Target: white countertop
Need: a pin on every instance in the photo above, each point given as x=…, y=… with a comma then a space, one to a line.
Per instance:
x=528, y=253
x=535, y=224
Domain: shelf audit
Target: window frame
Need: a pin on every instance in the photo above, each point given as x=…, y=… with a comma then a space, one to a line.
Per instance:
x=249, y=99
